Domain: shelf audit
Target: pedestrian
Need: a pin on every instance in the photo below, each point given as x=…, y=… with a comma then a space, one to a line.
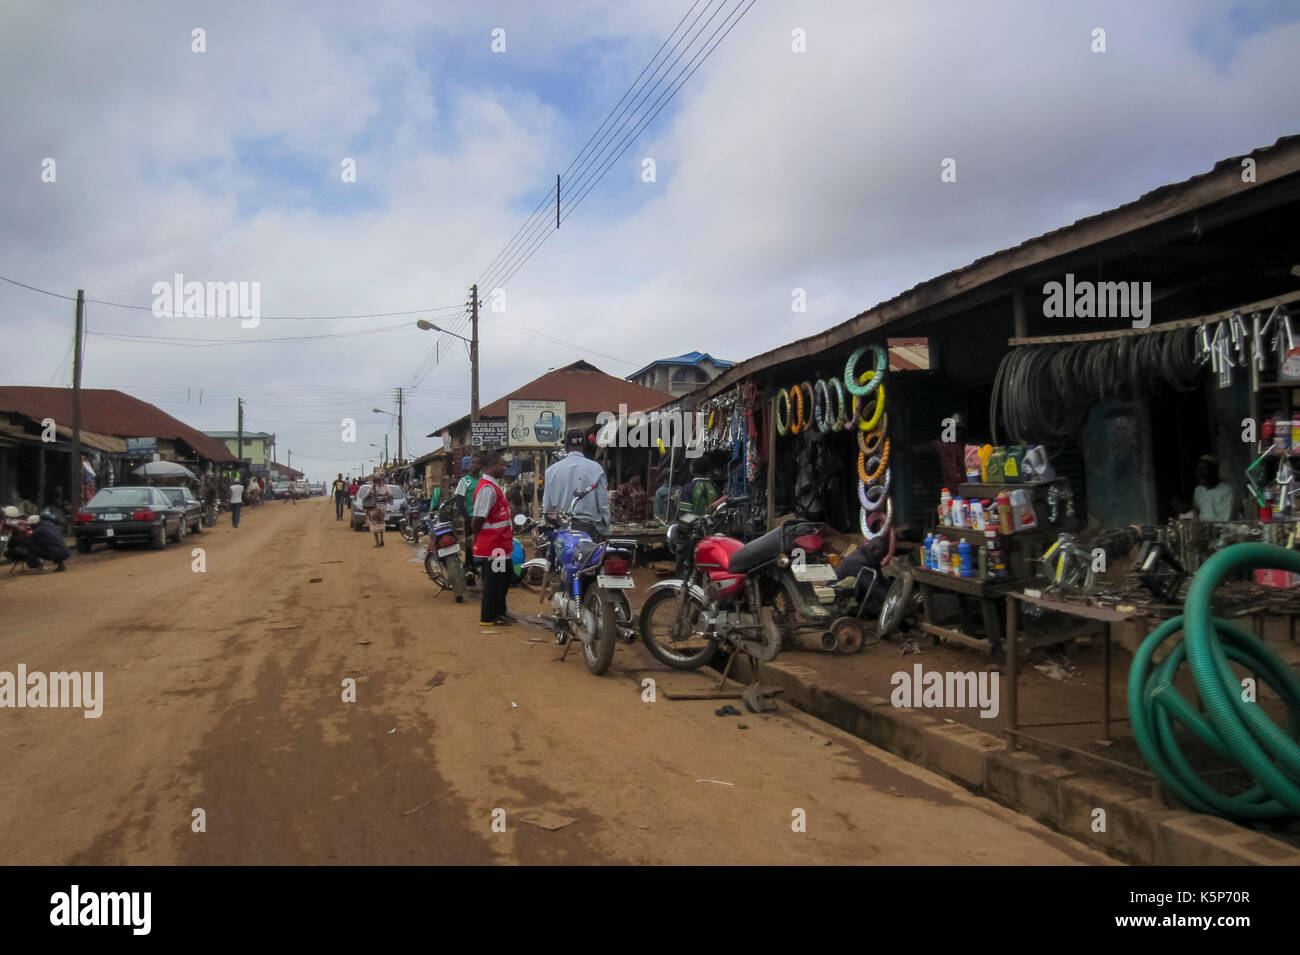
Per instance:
x=45, y=543
x=1212, y=497
x=354, y=485
x=572, y=474
x=236, y=501
x=340, y=496
x=466, y=488
x=377, y=508
x=494, y=540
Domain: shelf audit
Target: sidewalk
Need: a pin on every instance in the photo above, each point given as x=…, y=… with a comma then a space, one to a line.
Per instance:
x=1058, y=788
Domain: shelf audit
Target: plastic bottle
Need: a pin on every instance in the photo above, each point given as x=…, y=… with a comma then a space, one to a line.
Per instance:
x=982, y=572
x=977, y=519
x=934, y=554
x=945, y=501
x=1004, y=513
x=945, y=556
x=926, y=548
x=963, y=555
x=1295, y=432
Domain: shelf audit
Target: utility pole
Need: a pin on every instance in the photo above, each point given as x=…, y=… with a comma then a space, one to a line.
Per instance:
x=473, y=353
x=75, y=464
x=289, y=463
x=239, y=404
x=385, y=464
x=399, y=425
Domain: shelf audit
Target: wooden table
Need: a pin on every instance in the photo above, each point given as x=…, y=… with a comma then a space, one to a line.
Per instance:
x=985, y=592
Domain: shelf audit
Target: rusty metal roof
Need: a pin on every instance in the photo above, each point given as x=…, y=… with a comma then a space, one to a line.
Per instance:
x=109, y=412
x=1222, y=183
x=584, y=389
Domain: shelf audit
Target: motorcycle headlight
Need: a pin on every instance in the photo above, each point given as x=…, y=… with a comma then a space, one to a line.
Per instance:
x=672, y=535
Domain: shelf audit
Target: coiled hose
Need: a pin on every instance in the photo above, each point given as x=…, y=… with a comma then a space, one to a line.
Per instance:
x=1234, y=727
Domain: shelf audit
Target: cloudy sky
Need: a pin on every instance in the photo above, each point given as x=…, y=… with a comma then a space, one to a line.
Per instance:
x=775, y=169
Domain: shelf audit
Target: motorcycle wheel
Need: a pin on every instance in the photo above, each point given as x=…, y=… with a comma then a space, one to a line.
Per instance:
x=657, y=616
x=896, y=604
x=408, y=532
x=456, y=577
x=598, y=615
x=433, y=567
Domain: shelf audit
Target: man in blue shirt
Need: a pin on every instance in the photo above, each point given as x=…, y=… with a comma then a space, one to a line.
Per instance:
x=571, y=474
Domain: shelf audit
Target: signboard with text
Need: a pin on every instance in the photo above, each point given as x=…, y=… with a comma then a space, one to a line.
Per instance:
x=487, y=434
x=141, y=445
x=536, y=423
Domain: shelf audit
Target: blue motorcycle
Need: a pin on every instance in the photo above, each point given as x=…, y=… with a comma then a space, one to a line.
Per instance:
x=442, y=557
x=585, y=582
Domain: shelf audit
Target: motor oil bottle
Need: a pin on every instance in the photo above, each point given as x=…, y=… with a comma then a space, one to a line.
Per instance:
x=925, y=550
x=963, y=557
x=945, y=556
x=1004, y=513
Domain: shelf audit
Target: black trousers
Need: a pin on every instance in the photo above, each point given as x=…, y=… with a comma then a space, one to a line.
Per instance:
x=340, y=498
x=496, y=583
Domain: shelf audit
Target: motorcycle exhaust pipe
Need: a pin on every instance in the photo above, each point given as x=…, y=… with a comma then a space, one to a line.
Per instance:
x=808, y=640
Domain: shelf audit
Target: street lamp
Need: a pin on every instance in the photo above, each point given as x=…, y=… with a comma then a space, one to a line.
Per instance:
x=473, y=348
x=384, y=449
x=398, y=416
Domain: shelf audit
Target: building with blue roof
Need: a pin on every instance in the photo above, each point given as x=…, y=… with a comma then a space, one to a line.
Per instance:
x=680, y=375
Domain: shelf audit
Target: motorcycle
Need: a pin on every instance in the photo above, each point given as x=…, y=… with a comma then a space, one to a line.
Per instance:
x=211, y=513
x=736, y=598
x=442, y=556
x=584, y=582
x=415, y=519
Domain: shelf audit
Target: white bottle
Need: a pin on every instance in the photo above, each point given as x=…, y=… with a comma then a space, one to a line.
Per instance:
x=945, y=556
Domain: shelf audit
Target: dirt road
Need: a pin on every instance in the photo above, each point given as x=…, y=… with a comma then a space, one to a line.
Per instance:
x=223, y=691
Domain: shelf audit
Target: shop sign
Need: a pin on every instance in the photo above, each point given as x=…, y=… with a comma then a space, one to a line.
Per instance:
x=141, y=445
x=536, y=423
x=490, y=434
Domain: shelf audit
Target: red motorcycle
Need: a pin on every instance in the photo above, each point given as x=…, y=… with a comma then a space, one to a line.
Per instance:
x=733, y=597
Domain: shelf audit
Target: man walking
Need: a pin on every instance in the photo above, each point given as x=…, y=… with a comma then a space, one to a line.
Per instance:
x=574, y=473
x=340, y=496
x=236, y=501
x=494, y=540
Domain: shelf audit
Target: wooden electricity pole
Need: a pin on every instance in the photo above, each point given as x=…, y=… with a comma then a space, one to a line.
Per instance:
x=473, y=354
x=75, y=464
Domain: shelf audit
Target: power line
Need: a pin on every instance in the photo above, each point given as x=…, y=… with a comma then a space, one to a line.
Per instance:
x=219, y=342
x=264, y=318
x=666, y=97
x=547, y=197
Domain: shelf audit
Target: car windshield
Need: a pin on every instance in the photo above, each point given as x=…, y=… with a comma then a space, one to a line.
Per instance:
x=122, y=497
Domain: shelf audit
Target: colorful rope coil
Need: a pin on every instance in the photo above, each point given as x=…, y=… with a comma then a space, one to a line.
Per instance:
x=850, y=370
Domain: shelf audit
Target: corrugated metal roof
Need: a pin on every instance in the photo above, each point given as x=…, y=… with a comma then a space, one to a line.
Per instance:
x=584, y=389
x=109, y=412
x=690, y=358
x=1221, y=183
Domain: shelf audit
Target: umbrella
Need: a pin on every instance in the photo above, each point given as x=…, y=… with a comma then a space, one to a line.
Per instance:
x=166, y=469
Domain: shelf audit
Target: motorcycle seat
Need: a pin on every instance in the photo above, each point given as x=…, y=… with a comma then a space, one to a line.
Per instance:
x=767, y=548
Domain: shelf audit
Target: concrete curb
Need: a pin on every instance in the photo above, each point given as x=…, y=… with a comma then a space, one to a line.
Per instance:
x=1137, y=829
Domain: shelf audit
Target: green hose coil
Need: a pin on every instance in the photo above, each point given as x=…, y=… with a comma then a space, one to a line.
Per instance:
x=1231, y=726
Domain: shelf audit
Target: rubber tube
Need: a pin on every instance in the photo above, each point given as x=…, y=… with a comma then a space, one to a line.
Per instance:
x=1237, y=728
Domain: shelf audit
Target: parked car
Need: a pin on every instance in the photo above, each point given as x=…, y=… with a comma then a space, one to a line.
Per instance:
x=392, y=513
x=184, y=498
x=118, y=514
x=316, y=489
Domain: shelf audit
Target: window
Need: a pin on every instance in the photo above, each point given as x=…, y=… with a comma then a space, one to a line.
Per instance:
x=689, y=376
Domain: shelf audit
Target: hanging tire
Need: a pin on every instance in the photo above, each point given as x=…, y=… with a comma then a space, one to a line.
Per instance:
x=895, y=608
x=658, y=613
x=599, y=615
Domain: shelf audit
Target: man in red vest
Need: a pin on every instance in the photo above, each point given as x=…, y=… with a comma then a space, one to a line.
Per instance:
x=494, y=540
